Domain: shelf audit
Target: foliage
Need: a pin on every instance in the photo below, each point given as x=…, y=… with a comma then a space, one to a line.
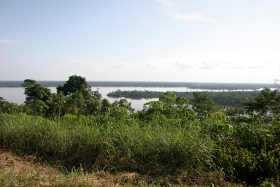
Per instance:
x=172, y=135
x=9, y=108
x=250, y=152
x=74, y=97
x=79, y=98
x=225, y=98
x=202, y=105
x=74, y=141
x=75, y=84
x=168, y=106
x=38, y=97
x=267, y=101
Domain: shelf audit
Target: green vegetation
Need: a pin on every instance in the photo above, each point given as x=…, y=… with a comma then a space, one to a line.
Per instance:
x=185, y=141
x=231, y=98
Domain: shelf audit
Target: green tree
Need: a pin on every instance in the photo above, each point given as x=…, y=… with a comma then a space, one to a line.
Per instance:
x=38, y=97
x=2, y=100
x=266, y=101
x=124, y=104
x=75, y=104
x=94, y=104
x=79, y=98
x=75, y=84
x=7, y=107
x=57, y=106
x=170, y=106
x=202, y=105
x=106, y=106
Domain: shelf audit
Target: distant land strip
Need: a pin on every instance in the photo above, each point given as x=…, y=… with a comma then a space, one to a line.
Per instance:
x=232, y=98
x=191, y=85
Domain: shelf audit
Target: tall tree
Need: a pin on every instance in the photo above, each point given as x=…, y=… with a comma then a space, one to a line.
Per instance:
x=169, y=106
x=75, y=84
x=202, y=105
x=38, y=97
x=267, y=100
x=80, y=99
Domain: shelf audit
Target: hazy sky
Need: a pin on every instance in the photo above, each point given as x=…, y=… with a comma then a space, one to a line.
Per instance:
x=140, y=40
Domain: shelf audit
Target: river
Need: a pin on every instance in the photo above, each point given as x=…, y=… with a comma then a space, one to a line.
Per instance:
x=16, y=94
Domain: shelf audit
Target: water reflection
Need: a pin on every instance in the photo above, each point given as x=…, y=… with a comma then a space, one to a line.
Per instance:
x=16, y=94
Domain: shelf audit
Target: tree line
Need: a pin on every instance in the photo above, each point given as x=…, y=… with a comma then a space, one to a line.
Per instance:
x=76, y=97
x=225, y=98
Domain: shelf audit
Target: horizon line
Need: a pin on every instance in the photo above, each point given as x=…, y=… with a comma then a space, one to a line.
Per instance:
x=147, y=81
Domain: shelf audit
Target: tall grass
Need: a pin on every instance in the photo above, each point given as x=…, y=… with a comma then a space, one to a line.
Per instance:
x=110, y=145
x=242, y=151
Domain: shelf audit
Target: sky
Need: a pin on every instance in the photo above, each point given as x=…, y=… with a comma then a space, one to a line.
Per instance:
x=141, y=40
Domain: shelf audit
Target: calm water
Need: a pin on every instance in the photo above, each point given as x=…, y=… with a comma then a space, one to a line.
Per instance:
x=16, y=94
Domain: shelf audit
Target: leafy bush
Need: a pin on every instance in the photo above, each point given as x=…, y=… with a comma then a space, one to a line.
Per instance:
x=251, y=153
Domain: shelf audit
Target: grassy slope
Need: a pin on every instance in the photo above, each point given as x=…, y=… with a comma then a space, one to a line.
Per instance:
x=27, y=171
x=124, y=147
x=164, y=151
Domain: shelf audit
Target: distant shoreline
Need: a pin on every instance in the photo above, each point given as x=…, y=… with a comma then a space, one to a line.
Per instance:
x=192, y=85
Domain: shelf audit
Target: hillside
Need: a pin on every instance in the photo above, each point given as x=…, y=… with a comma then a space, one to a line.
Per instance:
x=28, y=171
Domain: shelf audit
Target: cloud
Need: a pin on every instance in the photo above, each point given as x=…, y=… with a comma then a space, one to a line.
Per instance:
x=193, y=64
x=236, y=66
x=256, y=67
x=203, y=65
x=154, y=67
x=81, y=63
x=117, y=65
x=196, y=16
x=209, y=65
x=166, y=3
x=185, y=65
x=5, y=41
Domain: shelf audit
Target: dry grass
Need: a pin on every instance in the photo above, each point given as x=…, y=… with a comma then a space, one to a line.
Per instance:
x=28, y=171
